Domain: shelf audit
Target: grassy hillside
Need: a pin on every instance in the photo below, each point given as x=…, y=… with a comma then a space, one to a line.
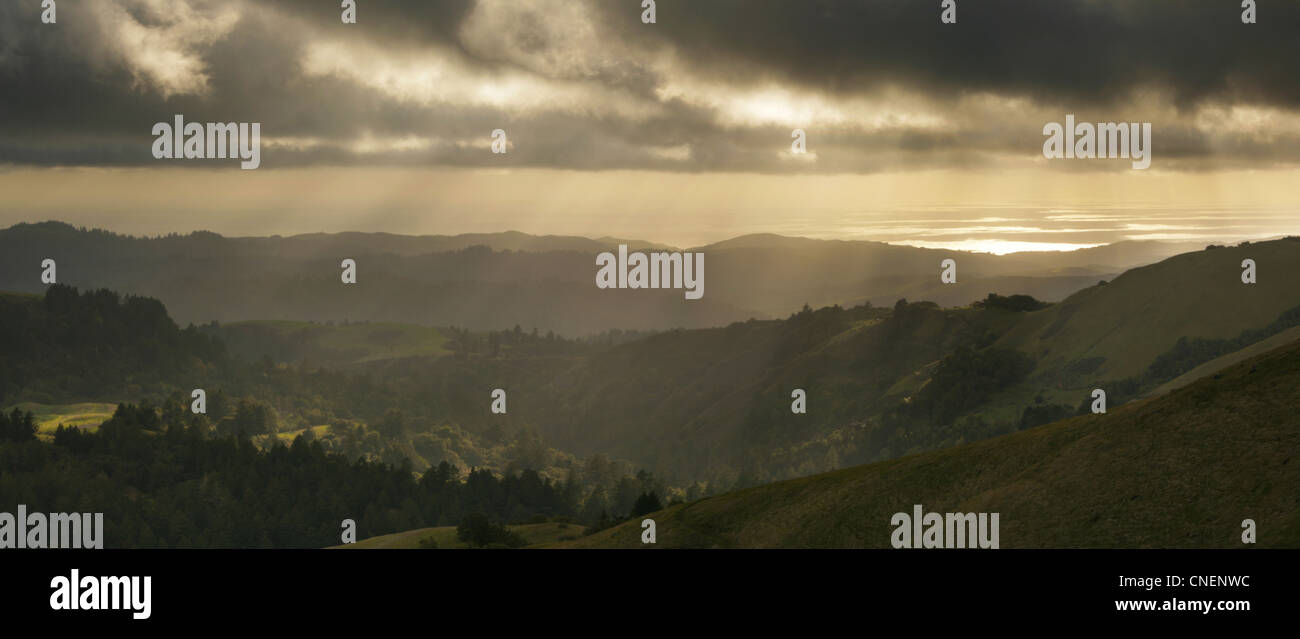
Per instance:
x=86, y=415
x=1143, y=313
x=547, y=533
x=1219, y=363
x=1181, y=470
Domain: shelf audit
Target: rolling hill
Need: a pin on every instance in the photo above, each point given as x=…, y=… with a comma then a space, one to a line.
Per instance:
x=721, y=397
x=1181, y=470
x=495, y=281
x=706, y=405
x=1141, y=314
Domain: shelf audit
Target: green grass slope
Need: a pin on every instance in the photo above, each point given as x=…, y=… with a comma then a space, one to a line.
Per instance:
x=1181, y=470
x=85, y=415
x=1142, y=313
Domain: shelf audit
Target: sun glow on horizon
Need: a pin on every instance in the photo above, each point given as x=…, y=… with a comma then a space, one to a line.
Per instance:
x=997, y=247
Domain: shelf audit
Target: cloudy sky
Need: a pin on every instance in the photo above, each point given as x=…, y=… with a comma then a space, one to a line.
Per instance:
x=678, y=131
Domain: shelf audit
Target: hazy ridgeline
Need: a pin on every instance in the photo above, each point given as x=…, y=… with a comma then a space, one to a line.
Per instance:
x=497, y=281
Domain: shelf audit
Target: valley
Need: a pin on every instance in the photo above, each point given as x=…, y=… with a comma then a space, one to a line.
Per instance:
x=611, y=417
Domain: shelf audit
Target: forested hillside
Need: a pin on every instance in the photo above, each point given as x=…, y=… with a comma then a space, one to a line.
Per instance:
x=94, y=345
x=162, y=479
x=1179, y=471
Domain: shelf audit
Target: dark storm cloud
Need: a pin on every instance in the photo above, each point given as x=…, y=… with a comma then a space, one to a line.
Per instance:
x=1081, y=51
x=394, y=20
x=75, y=94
